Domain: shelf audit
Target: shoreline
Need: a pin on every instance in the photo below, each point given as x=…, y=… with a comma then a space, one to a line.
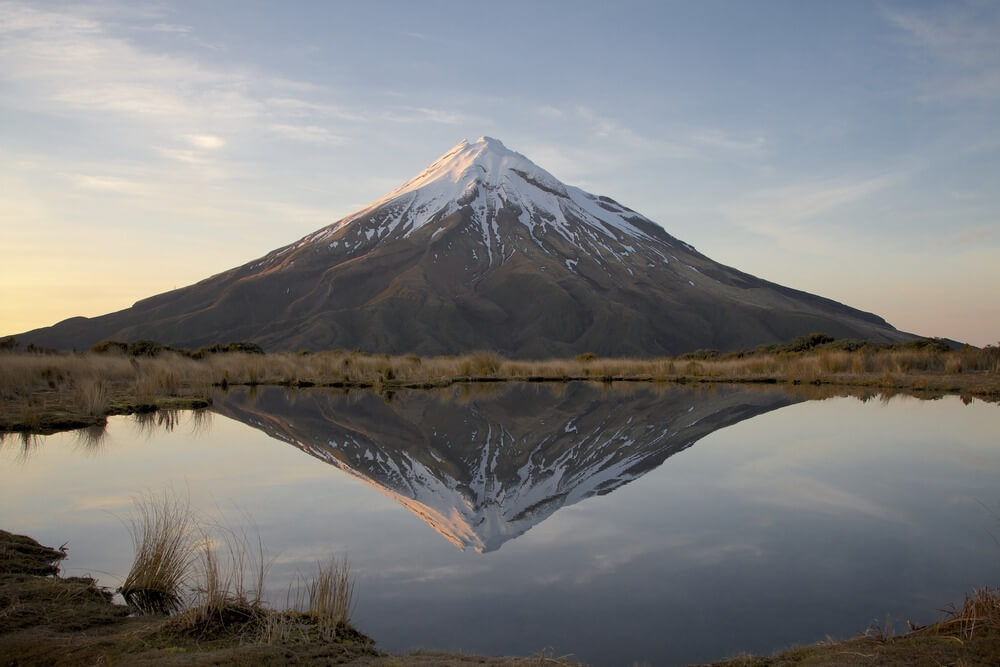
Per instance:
x=46, y=393
x=46, y=618
x=67, y=417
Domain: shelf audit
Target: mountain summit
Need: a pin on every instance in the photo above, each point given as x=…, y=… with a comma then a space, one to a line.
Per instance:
x=483, y=249
x=488, y=178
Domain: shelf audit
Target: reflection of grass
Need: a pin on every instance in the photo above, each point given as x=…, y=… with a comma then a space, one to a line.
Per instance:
x=92, y=439
x=42, y=393
x=24, y=442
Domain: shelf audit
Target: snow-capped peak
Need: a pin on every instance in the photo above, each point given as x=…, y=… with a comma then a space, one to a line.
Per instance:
x=485, y=177
x=484, y=162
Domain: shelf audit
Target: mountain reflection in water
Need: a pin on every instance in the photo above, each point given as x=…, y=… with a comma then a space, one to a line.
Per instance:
x=483, y=464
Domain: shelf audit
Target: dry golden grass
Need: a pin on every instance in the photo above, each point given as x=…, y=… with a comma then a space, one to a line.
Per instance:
x=226, y=596
x=211, y=581
x=979, y=612
x=968, y=635
x=330, y=593
x=47, y=392
x=161, y=533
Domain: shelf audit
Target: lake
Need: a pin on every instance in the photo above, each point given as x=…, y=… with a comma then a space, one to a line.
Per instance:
x=616, y=523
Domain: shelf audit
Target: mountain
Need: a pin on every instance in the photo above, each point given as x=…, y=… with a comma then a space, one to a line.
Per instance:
x=481, y=250
x=485, y=467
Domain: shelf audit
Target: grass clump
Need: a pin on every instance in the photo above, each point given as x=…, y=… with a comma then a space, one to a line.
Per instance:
x=211, y=581
x=330, y=594
x=161, y=533
x=227, y=593
x=978, y=613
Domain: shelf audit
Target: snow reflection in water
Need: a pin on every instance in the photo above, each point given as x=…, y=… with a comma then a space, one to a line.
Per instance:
x=798, y=523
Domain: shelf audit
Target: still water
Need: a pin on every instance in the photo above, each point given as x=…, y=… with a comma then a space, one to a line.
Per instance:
x=613, y=523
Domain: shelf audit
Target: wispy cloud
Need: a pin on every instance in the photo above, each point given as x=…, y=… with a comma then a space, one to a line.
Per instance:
x=794, y=203
x=422, y=36
x=206, y=141
x=786, y=215
x=431, y=115
x=108, y=184
x=672, y=142
x=170, y=27
x=977, y=236
x=719, y=139
x=182, y=155
x=58, y=62
x=296, y=107
x=311, y=134
x=962, y=37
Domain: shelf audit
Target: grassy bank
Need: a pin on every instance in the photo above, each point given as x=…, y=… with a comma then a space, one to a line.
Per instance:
x=47, y=619
x=969, y=634
x=47, y=392
x=52, y=620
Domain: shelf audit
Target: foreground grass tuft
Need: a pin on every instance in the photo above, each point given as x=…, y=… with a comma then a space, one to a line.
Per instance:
x=211, y=581
x=978, y=613
x=161, y=532
x=330, y=594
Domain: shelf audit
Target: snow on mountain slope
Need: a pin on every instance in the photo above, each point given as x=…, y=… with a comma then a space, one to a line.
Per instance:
x=485, y=178
x=483, y=250
x=484, y=472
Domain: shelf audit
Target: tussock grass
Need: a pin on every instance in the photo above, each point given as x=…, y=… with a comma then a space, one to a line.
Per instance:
x=210, y=581
x=329, y=594
x=979, y=612
x=161, y=533
x=229, y=581
x=41, y=393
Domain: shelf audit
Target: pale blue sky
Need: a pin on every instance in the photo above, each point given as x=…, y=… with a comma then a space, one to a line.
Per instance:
x=851, y=149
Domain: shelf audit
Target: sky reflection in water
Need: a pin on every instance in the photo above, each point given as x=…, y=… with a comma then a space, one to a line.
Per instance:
x=808, y=520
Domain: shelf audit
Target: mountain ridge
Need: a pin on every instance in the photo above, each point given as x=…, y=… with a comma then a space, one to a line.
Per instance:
x=483, y=249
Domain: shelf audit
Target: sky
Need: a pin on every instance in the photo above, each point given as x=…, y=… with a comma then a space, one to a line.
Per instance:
x=850, y=149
